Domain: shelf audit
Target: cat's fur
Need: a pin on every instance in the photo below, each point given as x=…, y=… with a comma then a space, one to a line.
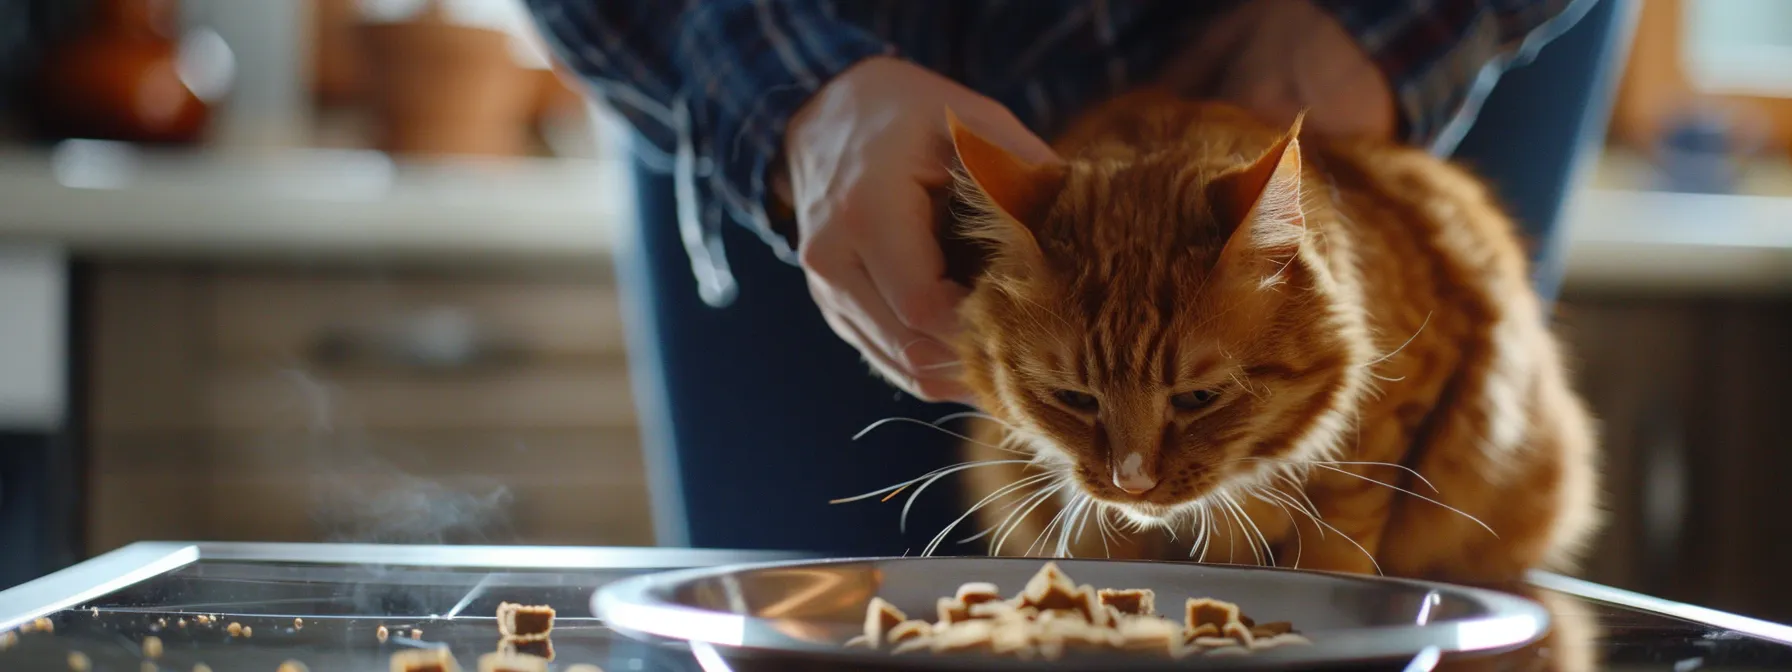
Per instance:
x=1349, y=303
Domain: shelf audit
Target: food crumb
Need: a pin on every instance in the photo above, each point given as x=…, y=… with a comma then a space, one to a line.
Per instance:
x=416, y=633
x=505, y=661
x=202, y=619
x=293, y=666
x=248, y=631
x=423, y=660
x=78, y=662
x=8, y=640
x=382, y=634
x=235, y=629
x=201, y=667
x=298, y=624
x=152, y=647
x=181, y=623
x=43, y=625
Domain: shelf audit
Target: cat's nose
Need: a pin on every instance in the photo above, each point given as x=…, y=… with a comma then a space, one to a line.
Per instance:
x=1131, y=475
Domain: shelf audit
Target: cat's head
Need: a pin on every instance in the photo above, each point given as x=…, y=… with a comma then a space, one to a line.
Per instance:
x=1160, y=325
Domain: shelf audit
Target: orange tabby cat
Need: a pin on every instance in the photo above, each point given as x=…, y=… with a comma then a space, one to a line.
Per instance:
x=1213, y=340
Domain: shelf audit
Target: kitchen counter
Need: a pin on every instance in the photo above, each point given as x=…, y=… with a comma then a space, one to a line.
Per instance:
x=322, y=604
x=109, y=200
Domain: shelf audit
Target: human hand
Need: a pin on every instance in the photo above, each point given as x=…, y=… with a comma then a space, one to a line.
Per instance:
x=1279, y=57
x=867, y=155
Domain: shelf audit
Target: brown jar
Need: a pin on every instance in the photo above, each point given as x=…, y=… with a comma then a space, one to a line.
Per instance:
x=122, y=79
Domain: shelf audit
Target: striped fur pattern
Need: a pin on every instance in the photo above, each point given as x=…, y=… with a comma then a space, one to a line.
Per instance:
x=1218, y=340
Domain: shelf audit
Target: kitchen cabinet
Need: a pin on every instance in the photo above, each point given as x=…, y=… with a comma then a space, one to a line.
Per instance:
x=283, y=404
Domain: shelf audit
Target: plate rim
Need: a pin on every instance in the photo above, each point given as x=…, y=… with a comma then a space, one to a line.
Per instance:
x=625, y=604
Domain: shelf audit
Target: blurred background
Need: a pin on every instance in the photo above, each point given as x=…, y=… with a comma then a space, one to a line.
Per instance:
x=340, y=270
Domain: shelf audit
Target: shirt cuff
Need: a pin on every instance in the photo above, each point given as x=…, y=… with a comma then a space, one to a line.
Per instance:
x=748, y=67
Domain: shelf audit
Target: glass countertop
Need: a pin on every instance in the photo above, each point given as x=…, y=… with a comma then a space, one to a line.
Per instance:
x=323, y=605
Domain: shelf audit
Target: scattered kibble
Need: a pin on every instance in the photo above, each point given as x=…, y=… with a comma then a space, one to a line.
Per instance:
x=203, y=619
x=181, y=623
x=8, y=640
x=43, y=625
x=293, y=666
x=502, y=661
x=235, y=629
x=152, y=647
x=416, y=633
x=382, y=634
x=78, y=662
x=201, y=667
x=248, y=632
x=298, y=624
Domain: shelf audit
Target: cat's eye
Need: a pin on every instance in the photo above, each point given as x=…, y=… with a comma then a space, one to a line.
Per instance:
x=1082, y=401
x=1193, y=399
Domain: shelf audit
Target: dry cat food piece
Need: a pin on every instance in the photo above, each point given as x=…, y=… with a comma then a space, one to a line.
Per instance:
x=201, y=667
x=519, y=620
x=78, y=662
x=8, y=640
x=43, y=624
x=1053, y=615
x=235, y=629
x=541, y=647
x=248, y=632
x=511, y=662
x=298, y=624
x=381, y=634
x=293, y=666
x=152, y=647
x=416, y=633
x=1130, y=601
x=424, y=660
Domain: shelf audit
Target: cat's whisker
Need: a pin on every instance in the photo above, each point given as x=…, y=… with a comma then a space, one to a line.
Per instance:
x=1415, y=473
x=942, y=471
x=931, y=425
x=1101, y=526
x=980, y=415
x=1284, y=497
x=1299, y=542
x=1409, y=340
x=1015, y=516
x=1397, y=488
x=1006, y=506
x=1246, y=527
x=1268, y=549
x=940, y=366
x=999, y=492
x=1359, y=547
x=1046, y=532
x=1247, y=386
x=1020, y=515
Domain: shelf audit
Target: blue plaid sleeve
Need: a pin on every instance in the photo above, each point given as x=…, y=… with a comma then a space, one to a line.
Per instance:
x=1442, y=57
x=710, y=84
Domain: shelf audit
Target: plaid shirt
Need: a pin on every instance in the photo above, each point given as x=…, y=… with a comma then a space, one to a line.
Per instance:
x=710, y=84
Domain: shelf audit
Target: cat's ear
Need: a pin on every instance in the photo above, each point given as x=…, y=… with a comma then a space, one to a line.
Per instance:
x=1020, y=189
x=1262, y=202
